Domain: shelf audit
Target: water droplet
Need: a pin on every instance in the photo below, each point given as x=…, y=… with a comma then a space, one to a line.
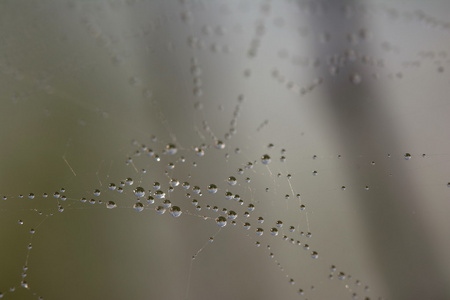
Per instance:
x=274, y=231
x=175, y=211
x=129, y=181
x=220, y=144
x=139, y=192
x=260, y=220
x=160, y=209
x=138, y=206
x=291, y=281
x=196, y=190
x=97, y=193
x=251, y=207
x=314, y=254
x=265, y=159
x=160, y=194
x=112, y=186
x=56, y=195
x=221, y=221
x=199, y=151
x=171, y=149
x=407, y=156
x=111, y=204
x=232, y=215
x=150, y=199
x=186, y=185
x=314, y=173
x=212, y=188
x=279, y=224
x=341, y=276
x=229, y=195
x=24, y=284
x=231, y=180
x=247, y=225
x=167, y=203
x=259, y=231
x=173, y=182
x=31, y=195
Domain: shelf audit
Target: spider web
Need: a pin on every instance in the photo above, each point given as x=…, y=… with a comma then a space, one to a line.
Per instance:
x=316, y=131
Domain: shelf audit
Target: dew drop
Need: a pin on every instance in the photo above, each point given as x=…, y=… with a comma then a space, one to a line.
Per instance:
x=167, y=203
x=175, y=211
x=160, y=194
x=196, y=190
x=138, y=206
x=232, y=215
x=171, y=149
x=259, y=231
x=265, y=159
x=231, y=180
x=314, y=254
x=111, y=205
x=160, y=209
x=407, y=156
x=220, y=144
x=221, y=221
x=173, y=182
x=139, y=192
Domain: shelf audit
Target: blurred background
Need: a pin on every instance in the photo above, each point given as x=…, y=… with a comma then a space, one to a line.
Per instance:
x=353, y=95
